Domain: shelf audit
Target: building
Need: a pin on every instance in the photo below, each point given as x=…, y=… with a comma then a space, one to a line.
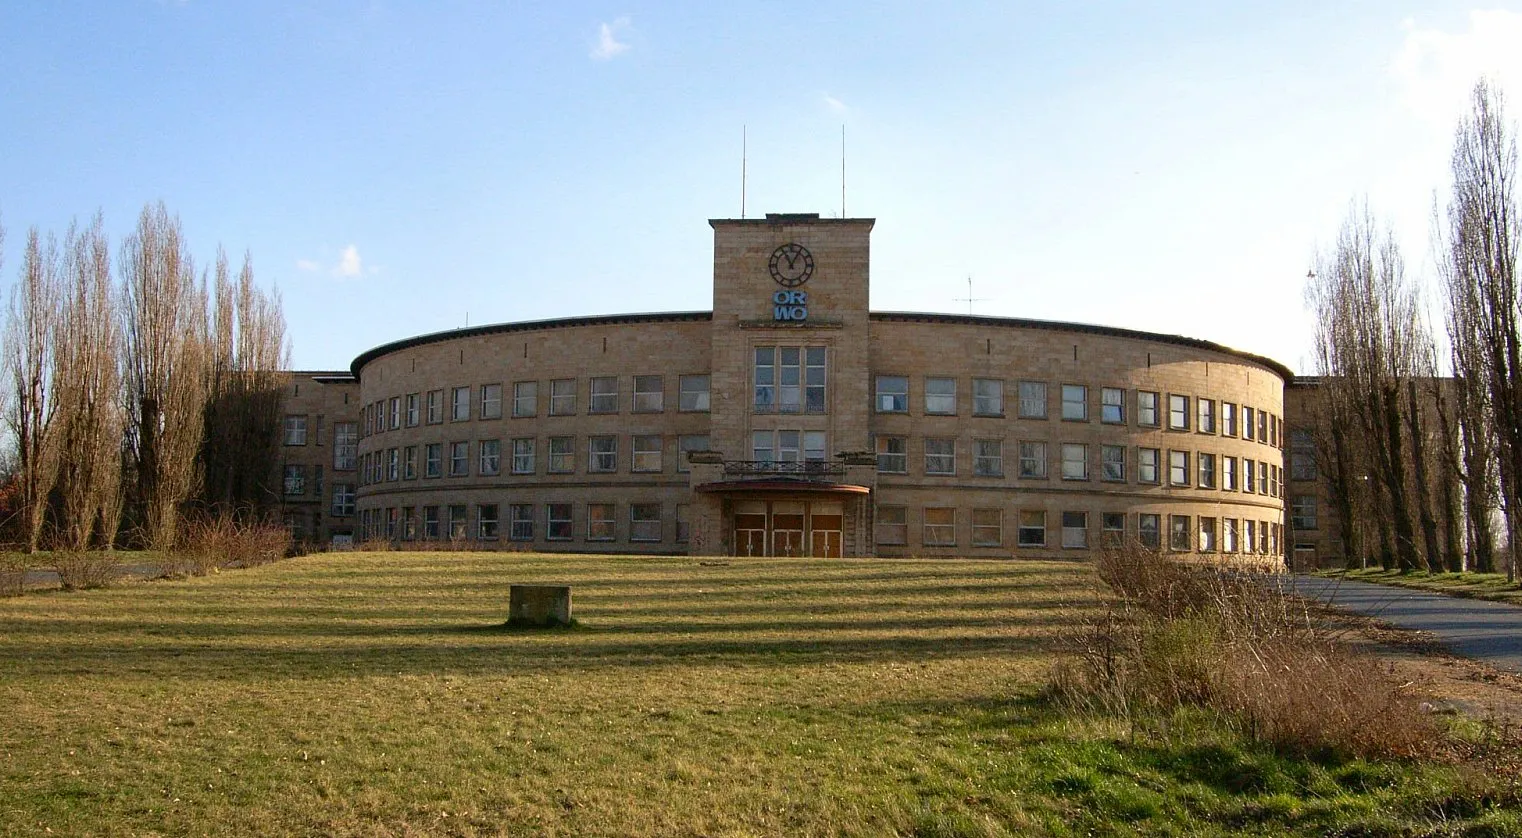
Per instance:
x=792, y=420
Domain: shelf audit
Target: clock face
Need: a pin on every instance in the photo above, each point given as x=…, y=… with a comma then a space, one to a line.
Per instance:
x=791, y=265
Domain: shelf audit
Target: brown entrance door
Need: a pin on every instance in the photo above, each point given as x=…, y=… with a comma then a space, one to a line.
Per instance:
x=788, y=517
x=824, y=529
x=750, y=528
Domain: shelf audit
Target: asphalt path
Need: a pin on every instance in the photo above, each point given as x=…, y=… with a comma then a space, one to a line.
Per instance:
x=1487, y=631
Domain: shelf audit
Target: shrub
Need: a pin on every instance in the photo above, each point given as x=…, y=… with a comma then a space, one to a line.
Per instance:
x=13, y=567
x=1236, y=644
x=211, y=543
x=81, y=570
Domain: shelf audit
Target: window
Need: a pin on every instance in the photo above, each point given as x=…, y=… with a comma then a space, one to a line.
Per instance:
x=892, y=394
x=987, y=397
x=1273, y=480
x=602, y=454
x=295, y=430
x=987, y=528
x=486, y=521
x=787, y=446
x=763, y=446
x=1302, y=512
x=1032, y=529
x=557, y=522
x=1228, y=535
x=1033, y=460
x=893, y=455
x=393, y=464
x=435, y=407
x=343, y=499
x=524, y=456
x=1112, y=531
x=941, y=396
x=1147, y=465
x=1148, y=527
x=988, y=457
x=1178, y=468
x=413, y=414
x=1247, y=422
x=391, y=519
x=520, y=522
x=1229, y=473
x=1075, y=529
x=1178, y=412
x=940, y=456
x=644, y=522
x=646, y=452
x=1263, y=477
x=562, y=455
x=1112, y=405
x=683, y=524
x=459, y=402
x=1302, y=455
x=1075, y=461
x=345, y=445
x=1146, y=408
x=1075, y=403
x=1249, y=536
x=692, y=394
x=649, y=394
x=490, y=457
x=431, y=523
x=601, y=524
x=1263, y=427
x=892, y=525
x=295, y=480
x=525, y=398
x=433, y=456
x=602, y=394
x=789, y=379
x=940, y=527
x=685, y=445
x=459, y=459
x=1207, y=415
x=396, y=412
x=1207, y=470
x=1112, y=463
x=409, y=462
x=368, y=415
x=1228, y=419
x=1032, y=400
x=813, y=446
x=1178, y=533
x=563, y=397
x=1249, y=481
x=457, y=521
x=1207, y=535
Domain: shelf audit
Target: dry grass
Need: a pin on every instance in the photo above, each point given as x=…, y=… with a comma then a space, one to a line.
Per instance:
x=1234, y=643
x=379, y=694
x=13, y=567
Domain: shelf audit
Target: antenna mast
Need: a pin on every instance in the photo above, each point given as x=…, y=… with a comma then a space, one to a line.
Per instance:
x=970, y=299
x=742, y=171
x=842, y=170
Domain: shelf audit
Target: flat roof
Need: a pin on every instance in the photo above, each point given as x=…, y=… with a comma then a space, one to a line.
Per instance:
x=366, y=357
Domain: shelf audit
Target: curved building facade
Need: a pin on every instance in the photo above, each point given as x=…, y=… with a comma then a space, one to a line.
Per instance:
x=791, y=420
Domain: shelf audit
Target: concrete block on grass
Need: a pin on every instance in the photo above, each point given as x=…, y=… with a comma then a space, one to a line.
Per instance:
x=539, y=606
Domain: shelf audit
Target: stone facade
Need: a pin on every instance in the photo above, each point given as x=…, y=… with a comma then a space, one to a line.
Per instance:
x=793, y=420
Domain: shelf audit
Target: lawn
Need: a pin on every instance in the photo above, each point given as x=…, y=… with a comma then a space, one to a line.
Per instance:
x=1489, y=586
x=377, y=694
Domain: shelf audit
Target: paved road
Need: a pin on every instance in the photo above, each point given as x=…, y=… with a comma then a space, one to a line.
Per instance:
x=1487, y=631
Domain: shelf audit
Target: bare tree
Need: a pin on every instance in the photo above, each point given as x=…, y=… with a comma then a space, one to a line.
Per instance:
x=88, y=383
x=30, y=340
x=1483, y=233
x=165, y=365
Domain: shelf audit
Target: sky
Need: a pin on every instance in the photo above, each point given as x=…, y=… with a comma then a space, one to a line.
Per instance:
x=403, y=168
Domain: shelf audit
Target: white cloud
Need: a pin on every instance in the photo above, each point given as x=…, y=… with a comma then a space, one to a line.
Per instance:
x=1437, y=70
x=349, y=265
x=608, y=45
x=834, y=104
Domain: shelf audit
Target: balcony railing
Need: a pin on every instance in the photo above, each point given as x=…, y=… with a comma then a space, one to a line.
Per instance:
x=808, y=470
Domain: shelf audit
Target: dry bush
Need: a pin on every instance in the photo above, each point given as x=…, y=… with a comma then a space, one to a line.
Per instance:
x=374, y=545
x=13, y=567
x=84, y=569
x=213, y=543
x=1236, y=644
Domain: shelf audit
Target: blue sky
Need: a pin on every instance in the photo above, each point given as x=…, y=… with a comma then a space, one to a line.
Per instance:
x=396, y=168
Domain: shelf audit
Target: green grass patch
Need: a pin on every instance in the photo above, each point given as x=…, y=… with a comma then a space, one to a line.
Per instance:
x=380, y=694
x=1487, y=586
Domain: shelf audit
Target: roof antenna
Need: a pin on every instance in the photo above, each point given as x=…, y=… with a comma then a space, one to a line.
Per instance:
x=970, y=299
x=742, y=172
x=842, y=170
